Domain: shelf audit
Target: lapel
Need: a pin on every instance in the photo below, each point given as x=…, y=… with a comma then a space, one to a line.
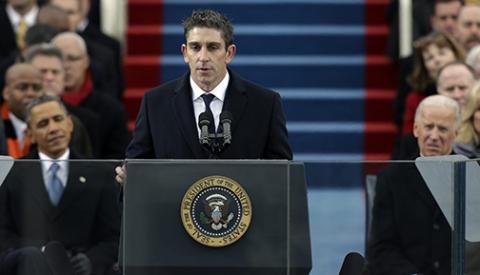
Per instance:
x=235, y=99
x=183, y=109
x=420, y=187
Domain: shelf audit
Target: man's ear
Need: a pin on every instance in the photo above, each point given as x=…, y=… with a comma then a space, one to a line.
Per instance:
x=5, y=93
x=415, y=129
x=183, y=49
x=29, y=134
x=70, y=123
x=231, y=51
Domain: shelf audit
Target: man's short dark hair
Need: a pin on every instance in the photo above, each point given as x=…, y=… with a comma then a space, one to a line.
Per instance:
x=38, y=33
x=41, y=100
x=209, y=19
x=43, y=49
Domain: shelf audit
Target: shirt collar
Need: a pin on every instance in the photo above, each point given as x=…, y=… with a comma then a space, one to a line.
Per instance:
x=19, y=126
x=219, y=91
x=48, y=161
x=15, y=17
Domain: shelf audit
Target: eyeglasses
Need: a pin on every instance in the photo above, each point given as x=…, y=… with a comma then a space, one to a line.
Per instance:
x=73, y=58
x=36, y=87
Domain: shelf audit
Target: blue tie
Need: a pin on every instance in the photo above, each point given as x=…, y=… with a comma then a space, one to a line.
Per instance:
x=208, y=98
x=55, y=187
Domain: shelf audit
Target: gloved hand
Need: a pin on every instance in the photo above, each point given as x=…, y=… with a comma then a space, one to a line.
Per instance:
x=81, y=264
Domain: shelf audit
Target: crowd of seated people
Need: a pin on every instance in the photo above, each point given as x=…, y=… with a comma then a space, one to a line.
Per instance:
x=78, y=62
x=62, y=85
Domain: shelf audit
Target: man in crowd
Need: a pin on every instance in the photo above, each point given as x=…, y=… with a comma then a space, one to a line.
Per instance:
x=106, y=63
x=70, y=203
x=469, y=26
x=410, y=234
x=80, y=92
x=23, y=83
x=455, y=81
x=15, y=19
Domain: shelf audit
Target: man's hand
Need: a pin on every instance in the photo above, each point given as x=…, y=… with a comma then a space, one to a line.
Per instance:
x=81, y=264
x=121, y=174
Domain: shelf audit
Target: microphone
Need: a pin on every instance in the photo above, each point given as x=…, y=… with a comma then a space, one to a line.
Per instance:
x=226, y=119
x=205, y=119
x=353, y=264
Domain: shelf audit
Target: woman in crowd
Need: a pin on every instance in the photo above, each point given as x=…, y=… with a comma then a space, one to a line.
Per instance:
x=468, y=139
x=431, y=53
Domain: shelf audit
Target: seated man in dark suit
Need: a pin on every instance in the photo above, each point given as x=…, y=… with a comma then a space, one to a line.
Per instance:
x=410, y=234
x=73, y=203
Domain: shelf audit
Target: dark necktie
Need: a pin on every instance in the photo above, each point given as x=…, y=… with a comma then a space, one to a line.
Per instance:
x=208, y=98
x=55, y=187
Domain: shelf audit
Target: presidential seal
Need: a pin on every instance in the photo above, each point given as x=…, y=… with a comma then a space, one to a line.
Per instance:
x=216, y=211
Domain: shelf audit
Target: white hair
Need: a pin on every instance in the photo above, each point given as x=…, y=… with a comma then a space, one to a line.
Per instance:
x=73, y=36
x=439, y=101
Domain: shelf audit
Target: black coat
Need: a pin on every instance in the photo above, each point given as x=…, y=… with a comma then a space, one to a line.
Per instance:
x=86, y=220
x=409, y=232
x=166, y=128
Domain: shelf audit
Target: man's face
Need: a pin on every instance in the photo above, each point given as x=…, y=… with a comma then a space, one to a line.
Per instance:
x=72, y=8
x=435, y=131
x=50, y=128
x=455, y=82
x=435, y=58
x=205, y=54
x=445, y=17
x=53, y=73
x=76, y=63
x=469, y=26
x=23, y=86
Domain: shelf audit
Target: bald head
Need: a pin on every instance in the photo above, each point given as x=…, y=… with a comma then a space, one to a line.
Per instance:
x=19, y=71
x=53, y=17
x=23, y=83
x=455, y=81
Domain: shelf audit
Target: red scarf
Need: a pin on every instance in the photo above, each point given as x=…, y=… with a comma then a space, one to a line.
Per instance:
x=76, y=97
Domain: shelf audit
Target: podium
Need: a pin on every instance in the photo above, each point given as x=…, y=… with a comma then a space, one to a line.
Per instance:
x=215, y=217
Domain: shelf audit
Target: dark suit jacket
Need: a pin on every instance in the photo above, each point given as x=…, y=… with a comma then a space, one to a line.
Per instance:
x=94, y=34
x=409, y=232
x=112, y=132
x=8, y=43
x=166, y=128
x=86, y=220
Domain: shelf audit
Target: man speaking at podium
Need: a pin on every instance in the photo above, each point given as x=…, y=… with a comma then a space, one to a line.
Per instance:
x=210, y=112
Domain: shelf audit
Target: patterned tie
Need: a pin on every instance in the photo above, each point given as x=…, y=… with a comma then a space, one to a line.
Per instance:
x=21, y=31
x=55, y=187
x=208, y=98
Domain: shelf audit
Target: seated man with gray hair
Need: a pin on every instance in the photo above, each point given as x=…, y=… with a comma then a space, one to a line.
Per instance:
x=410, y=234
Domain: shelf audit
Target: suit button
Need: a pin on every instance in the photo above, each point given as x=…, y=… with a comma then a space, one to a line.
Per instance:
x=436, y=226
x=436, y=264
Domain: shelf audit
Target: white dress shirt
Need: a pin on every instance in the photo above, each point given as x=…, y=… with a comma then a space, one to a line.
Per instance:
x=217, y=103
x=62, y=172
x=15, y=17
x=19, y=126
